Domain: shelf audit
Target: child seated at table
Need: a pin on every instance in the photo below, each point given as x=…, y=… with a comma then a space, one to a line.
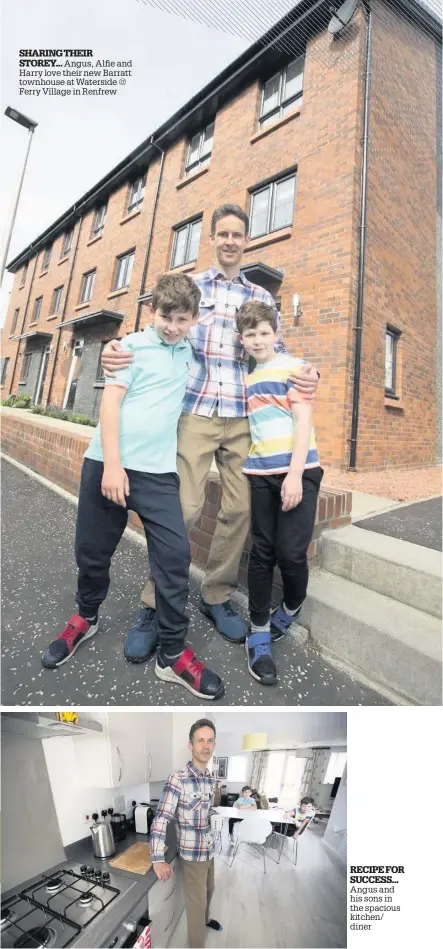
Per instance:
x=245, y=802
x=302, y=813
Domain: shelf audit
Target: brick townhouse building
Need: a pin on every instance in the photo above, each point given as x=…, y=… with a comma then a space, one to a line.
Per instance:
x=331, y=143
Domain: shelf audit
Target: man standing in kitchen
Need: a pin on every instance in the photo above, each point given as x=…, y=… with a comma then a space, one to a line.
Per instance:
x=214, y=424
x=187, y=798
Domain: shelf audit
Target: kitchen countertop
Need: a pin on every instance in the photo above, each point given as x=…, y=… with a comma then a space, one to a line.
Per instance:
x=100, y=931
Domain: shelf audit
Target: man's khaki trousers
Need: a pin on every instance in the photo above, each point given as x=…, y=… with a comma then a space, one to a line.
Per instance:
x=200, y=439
x=198, y=887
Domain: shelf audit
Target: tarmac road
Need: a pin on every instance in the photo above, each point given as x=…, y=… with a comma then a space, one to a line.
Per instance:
x=39, y=574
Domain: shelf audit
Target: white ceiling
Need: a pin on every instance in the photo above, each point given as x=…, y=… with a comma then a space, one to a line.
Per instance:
x=284, y=728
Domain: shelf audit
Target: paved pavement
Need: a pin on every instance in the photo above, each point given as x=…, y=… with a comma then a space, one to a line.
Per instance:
x=38, y=593
x=419, y=523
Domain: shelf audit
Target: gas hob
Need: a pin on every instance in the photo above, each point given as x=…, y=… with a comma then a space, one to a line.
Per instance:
x=54, y=910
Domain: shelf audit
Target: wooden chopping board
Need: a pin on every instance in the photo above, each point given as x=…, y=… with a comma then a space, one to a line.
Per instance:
x=136, y=859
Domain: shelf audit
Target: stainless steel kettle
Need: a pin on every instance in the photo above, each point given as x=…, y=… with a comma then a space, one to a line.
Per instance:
x=102, y=838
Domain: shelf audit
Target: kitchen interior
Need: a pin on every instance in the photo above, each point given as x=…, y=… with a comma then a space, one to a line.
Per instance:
x=78, y=800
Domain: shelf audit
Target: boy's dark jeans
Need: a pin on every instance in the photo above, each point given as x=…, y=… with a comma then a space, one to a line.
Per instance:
x=100, y=525
x=282, y=538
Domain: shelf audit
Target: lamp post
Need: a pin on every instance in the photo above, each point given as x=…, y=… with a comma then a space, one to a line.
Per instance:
x=30, y=125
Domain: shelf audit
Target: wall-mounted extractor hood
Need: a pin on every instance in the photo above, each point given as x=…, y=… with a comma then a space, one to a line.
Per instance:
x=45, y=725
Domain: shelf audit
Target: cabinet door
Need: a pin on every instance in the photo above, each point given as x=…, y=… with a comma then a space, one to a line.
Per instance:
x=126, y=739
x=92, y=756
x=158, y=743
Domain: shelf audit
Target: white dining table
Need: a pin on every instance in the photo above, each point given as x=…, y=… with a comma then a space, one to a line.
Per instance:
x=276, y=815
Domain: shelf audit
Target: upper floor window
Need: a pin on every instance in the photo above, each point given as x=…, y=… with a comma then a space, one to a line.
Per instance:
x=67, y=242
x=282, y=91
x=136, y=193
x=37, y=309
x=14, y=321
x=46, y=258
x=87, y=286
x=272, y=207
x=123, y=270
x=391, y=351
x=186, y=243
x=200, y=147
x=23, y=275
x=56, y=300
x=98, y=221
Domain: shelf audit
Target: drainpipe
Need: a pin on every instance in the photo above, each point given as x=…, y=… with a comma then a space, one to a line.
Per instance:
x=23, y=324
x=65, y=306
x=361, y=262
x=150, y=235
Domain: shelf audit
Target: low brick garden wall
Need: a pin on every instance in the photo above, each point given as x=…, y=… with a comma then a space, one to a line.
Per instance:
x=55, y=450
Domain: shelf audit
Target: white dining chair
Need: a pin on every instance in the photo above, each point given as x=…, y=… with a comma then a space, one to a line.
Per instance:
x=217, y=822
x=253, y=830
x=295, y=838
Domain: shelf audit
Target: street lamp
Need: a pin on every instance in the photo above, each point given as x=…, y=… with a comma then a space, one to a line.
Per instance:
x=30, y=125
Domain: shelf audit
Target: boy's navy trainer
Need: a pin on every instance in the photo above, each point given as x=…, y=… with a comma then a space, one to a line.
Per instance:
x=260, y=662
x=76, y=631
x=187, y=670
x=226, y=620
x=281, y=621
x=142, y=638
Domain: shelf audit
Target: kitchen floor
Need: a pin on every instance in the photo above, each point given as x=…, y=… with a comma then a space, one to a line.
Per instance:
x=302, y=907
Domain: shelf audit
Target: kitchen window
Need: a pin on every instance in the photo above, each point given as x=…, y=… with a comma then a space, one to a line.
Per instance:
x=336, y=766
x=282, y=92
x=87, y=286
x=237, y=768
x=37, y=310
x=391, y=351
x=284, y=776
x=56, y=300
x=136, y=193
x=46, y=258
x=5, y=363
x=14, y=322
x=200, y=147
x=26, y=365
x=67, y=243
x=272, y=207
x=123, y=270
x=186, y=243
x=98, y=221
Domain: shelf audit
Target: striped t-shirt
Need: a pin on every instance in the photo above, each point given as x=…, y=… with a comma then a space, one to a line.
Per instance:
x=271, y=421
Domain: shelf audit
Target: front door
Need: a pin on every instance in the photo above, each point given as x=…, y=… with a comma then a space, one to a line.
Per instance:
x=74, y=374
x=42, y=376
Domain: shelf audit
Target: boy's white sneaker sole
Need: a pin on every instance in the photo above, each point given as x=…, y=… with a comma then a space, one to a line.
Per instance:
x=168, y=675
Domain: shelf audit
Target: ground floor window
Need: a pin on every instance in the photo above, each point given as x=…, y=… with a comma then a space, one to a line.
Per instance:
x=391, y=361
x=26, y=365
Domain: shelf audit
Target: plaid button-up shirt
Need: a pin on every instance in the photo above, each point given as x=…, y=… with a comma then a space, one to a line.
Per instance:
x=187, y=797
x=220, y=365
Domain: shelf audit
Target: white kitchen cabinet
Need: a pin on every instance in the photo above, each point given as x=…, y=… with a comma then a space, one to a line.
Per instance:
x=166, y=905
x=115, y=757
x=159, y=745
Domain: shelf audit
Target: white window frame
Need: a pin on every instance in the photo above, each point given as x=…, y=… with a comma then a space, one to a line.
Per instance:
x=88, y=281
x=46, y=260
x=36, y=310
x=67, y=242
x=178, y=230
x=283, y=103
x=275, y=784
x=136, y=193
x=78, y=346
x=391, y=360
x=336, y=766
x=272, y=188
x=123, y=270
x=203, y=154
x=98, y=220
x=57, y=295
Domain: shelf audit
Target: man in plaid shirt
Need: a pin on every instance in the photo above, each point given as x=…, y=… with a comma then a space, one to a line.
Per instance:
x=187, y=798
x=214, y=424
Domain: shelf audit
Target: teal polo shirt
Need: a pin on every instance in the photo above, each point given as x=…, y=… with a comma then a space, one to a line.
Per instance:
x=149, y=413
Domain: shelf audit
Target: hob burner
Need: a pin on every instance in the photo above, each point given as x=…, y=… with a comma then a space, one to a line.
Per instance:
x=85, y=900
x=8, y=916
x=41, y=937
x=54, y=885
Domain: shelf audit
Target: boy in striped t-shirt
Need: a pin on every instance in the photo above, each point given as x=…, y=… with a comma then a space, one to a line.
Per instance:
x=285, y=474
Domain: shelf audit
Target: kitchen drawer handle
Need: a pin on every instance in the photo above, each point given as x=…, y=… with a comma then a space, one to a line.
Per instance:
x=120, y=763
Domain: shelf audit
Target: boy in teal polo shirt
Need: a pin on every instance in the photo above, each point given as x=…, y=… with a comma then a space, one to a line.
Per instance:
x=131, y=464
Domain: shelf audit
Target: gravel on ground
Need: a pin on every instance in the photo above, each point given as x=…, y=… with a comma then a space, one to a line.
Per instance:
x=411, y=484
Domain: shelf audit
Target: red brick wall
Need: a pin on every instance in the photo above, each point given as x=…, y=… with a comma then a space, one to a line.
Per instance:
x=57, y=453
